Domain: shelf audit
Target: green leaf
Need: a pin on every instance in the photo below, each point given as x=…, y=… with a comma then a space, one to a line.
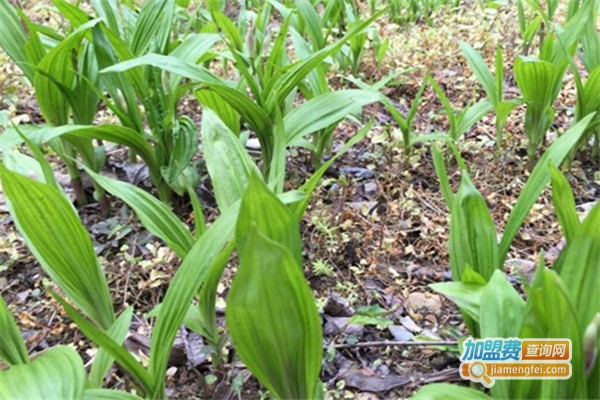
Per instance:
x=279, y=89
x=153, y=214
x=13, y=39
x=311, y=184
x=271, y=313
x=470, y=116
x=467, y=296
x=325, y=110
x=442, y=174
x=12, y=346
x=153, y=27
x=482, y=72
x=564, y=203
x=503, y=309
x=539, y=178
x=183, y=287
x=103, y=360
x=550, y=314
x=579, y=268
x=172, y=64
x=226, y=113
x=446, y=391
x=205, y=322
x=108, y=394
x=82, y=134
x=59, y=241
x=262, y=210
x=501, y=315
x=55, y=77
x=227, y=161
x=312, y=23
x=58, y=373
x=473, y=238
x=103, y=340
x=185, y=147
x=535, y=79
x=230, y=30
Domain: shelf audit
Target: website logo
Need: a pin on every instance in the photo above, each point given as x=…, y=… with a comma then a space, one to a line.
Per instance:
x=486, y=360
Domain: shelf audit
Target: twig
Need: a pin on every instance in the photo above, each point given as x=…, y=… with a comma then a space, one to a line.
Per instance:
x=381, y=343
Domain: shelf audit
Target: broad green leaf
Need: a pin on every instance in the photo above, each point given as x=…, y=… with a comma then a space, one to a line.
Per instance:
x=59, y=241
x=55, y=76
x=539, y=178
x=467, y=296
x=535, y=79
x=192, y=49
x=108, y=10
x=185, y=147
x=206, y=314
x=12, y=346
x=590, y=40
x=58, y=373
x=108, y=394
x=590, y=97
x=103, y=360
x=153, y=214
x=500, y=315
x=230, y=30
x=445, y=391
x=80, y=135
x=13, y=39
x=227, y=161
x=273, y=320
x=473, y=238
x=250, y=112
x=503, y=308
x=564, y=203
x=153, y=27
x=262, y=210
x=579, y=268
x=312, y=23
x=23, y=164
x=171, y=64
x=226, y=113
x=551, y=314
x=325, y=110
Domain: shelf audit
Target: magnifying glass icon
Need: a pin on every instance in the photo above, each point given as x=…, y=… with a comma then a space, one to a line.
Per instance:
x=478, y=370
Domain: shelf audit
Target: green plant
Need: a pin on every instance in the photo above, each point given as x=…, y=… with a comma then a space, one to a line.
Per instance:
x=409, y=11
x=540, y=79
x=561, y=303
x=60, y=75
x=268, y=111
x=271, y=312
x=57, y=372
x=406, y=123
x=62, y=89
x=474, y=247
x=204, y=255
x=460, y=122
x=493, y=86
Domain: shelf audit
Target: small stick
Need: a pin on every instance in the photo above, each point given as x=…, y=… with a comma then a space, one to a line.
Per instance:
x=396, y=343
